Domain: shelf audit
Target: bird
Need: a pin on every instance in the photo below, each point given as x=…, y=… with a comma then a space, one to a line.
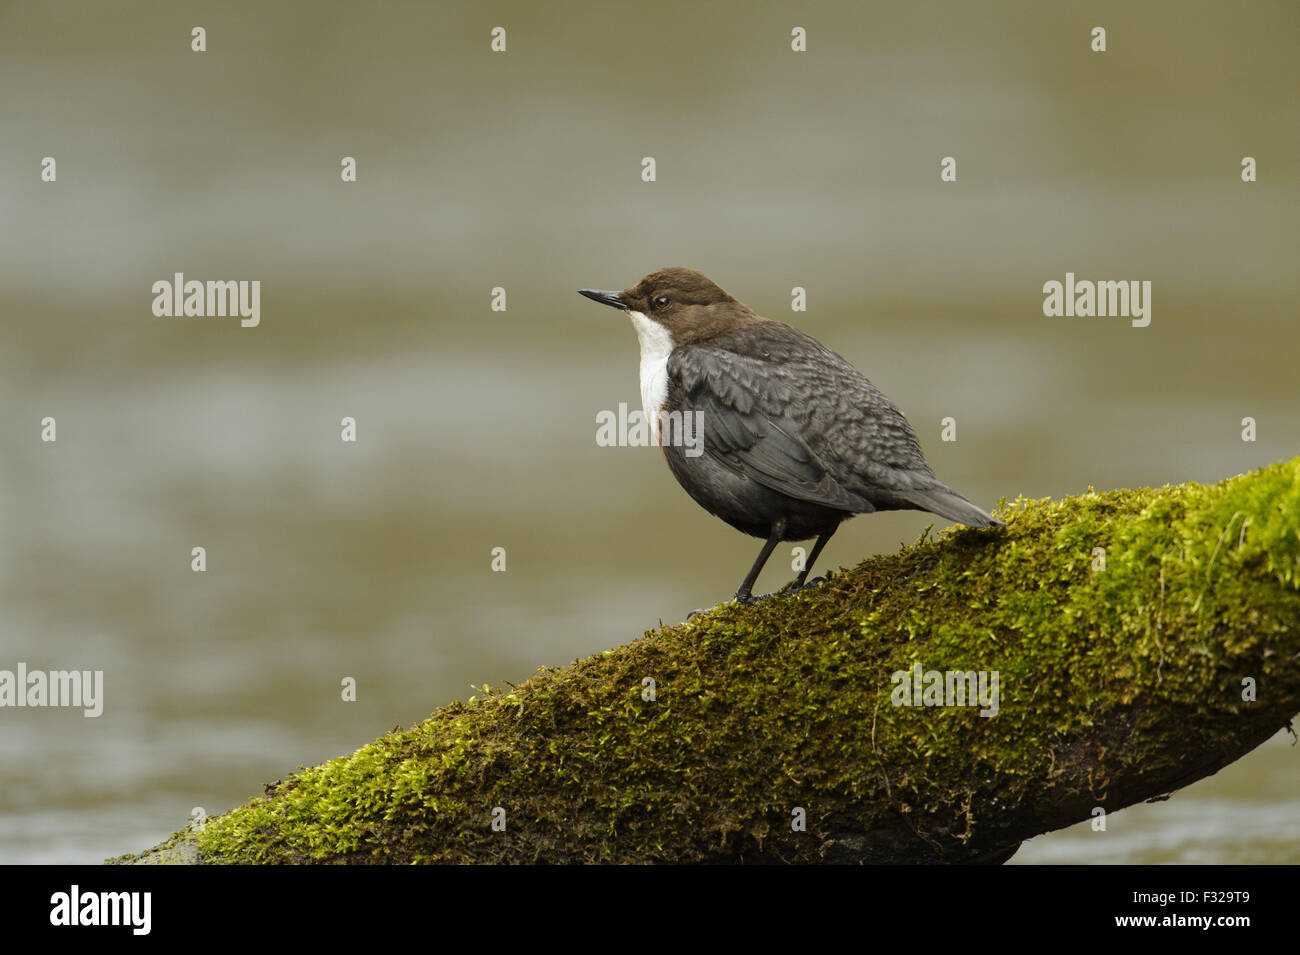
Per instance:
x=793, y=439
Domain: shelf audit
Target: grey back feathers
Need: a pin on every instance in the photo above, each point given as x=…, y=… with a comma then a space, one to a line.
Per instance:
x=793, y=416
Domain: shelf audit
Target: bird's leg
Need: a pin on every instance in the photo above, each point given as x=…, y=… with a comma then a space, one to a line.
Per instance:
x=812, y=558
x=744, y=595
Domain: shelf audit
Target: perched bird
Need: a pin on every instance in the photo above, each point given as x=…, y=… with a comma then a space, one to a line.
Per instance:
x=794, y=438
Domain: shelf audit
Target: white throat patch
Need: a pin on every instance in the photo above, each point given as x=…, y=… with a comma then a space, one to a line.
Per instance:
x=656, y=346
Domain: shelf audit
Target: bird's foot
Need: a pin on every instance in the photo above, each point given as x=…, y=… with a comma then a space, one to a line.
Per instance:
x=745, y=600
x=807, y=585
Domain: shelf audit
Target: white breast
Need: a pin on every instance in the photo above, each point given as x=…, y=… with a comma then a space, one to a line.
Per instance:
x=656, y=346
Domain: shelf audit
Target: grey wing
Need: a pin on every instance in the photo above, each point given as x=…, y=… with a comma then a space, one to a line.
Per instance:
x=746, y=426
x=856, y=430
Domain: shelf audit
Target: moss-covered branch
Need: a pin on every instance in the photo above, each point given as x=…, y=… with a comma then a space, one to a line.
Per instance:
x=1116, y=685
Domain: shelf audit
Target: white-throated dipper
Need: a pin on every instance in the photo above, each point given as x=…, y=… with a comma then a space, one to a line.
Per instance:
x=794, y=438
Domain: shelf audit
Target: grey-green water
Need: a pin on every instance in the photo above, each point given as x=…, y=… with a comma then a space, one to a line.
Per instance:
x=476, y=428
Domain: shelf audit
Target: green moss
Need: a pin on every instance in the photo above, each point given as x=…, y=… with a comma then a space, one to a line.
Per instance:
x=178, y=849
x=1115, y=685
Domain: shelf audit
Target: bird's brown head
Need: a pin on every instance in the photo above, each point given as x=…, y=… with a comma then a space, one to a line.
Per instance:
x=686, y=303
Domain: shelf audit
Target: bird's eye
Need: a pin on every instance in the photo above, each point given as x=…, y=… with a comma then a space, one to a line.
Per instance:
x=660, y=302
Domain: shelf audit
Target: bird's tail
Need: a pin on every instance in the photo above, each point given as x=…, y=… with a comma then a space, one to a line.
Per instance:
x=948, y=503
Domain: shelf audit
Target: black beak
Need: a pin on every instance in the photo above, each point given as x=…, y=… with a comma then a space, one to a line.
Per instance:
x=613, y=299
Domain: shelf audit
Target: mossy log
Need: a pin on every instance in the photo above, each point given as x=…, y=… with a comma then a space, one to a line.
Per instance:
x=1119, y=682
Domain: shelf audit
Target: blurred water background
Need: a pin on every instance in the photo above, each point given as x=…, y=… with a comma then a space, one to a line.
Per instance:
x=476, y=428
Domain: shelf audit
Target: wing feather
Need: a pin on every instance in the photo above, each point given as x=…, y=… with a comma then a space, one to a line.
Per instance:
x=742, y=431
